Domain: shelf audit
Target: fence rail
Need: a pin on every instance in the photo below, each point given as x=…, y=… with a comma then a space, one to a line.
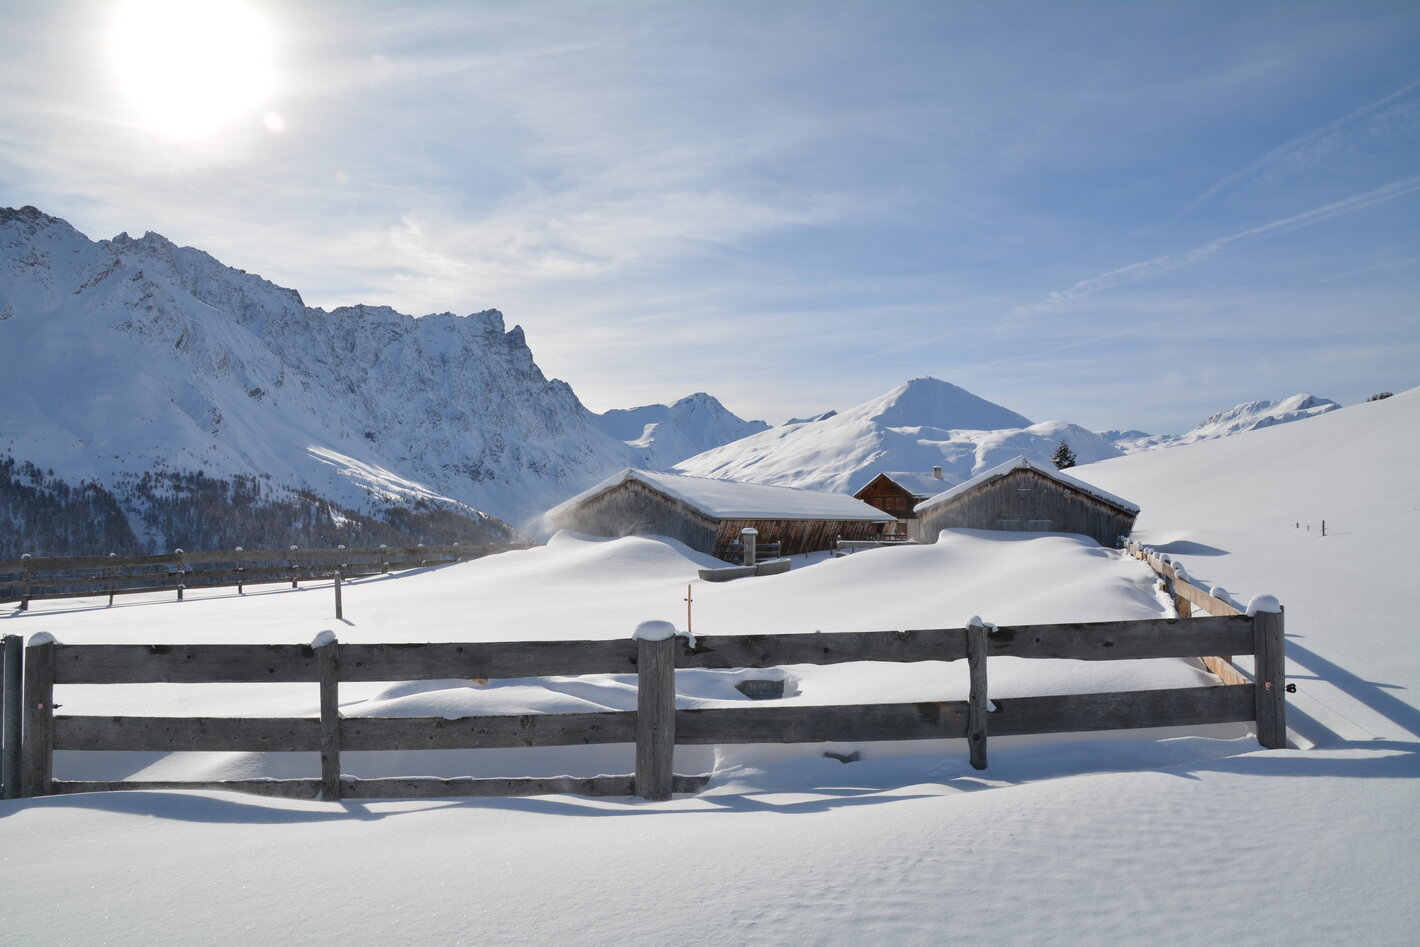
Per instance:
x=31, y=579
x=656, y=727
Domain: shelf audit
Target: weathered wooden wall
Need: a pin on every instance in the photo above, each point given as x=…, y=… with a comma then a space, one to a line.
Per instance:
x=796, y=536
x=1025, y=500
x=634, y=509
x=890, y=497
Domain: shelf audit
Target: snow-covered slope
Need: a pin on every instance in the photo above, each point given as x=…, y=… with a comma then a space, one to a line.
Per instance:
x=666, y=434
x=132, y=356
x=1249, y=416
x=1076, y=841
x=919, y=425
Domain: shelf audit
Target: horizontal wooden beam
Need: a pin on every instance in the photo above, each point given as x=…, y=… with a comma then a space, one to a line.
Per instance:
x=484, y=732
x=1121, y=710
x=400, y=788
x=485, y=659
x=280, y=788
x=184, y=664
x=1121, y=640
x=817, y=724
x=757, y=651
x=175, y=734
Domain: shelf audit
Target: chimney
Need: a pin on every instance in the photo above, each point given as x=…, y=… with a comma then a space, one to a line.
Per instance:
x=936, y=473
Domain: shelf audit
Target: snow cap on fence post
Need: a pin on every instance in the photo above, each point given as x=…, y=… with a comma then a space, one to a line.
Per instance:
x=40, y=638
x=1263, y=603
x=323, y=638
x=654, y=631
x=975, y=622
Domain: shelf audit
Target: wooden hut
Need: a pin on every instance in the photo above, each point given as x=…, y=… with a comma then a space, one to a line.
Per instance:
x=898, y=493
x=708, y=515
x=1022, y=494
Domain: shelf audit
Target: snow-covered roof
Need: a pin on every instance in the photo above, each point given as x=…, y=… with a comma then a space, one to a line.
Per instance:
x=917, y=484
x=733, y=499
x=1025, y=463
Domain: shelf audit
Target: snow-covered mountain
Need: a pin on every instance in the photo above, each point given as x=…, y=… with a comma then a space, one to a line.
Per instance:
x=136, y=364
x=1248, y=416
x=921, y=424
x=666, y=434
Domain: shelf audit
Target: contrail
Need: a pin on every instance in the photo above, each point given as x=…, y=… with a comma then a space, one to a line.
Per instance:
x=1161, y=264
x=1297, y=143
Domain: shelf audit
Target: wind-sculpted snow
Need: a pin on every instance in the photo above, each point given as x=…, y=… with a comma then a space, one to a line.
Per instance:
x=917, y=426
x=136, y=355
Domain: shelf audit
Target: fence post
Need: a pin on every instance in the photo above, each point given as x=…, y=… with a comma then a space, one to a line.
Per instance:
x=295, y=569
x=976, y=697
x=25, y=578
x=112, y=582
x=384, y=559
x=13, y=711
x=328, y=662
x=180, y=573
x=339, y=575
x=38, y=740
x=241, y=569
x=1270, y=666
x=458, y=554
x=655, y=709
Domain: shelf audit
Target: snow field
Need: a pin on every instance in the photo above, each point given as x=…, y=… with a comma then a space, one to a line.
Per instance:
x=1185, y=840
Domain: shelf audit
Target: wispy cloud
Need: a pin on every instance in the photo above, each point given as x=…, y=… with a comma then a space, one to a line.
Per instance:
x=1297, y=151
x=1162, y=264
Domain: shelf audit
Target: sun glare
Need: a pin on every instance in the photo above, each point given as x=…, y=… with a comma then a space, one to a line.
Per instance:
x=192, y=67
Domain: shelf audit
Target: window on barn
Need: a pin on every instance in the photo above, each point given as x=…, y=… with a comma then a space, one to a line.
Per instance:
x=1012, y=522
x=1038, y=526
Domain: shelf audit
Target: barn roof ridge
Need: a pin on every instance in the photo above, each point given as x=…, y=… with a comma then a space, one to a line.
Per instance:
x=737, y=499
x=1022, y=462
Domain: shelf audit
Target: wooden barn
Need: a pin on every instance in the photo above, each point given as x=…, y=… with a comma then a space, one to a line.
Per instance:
x=898, y=493
x=708, y=515
x=1022, y=494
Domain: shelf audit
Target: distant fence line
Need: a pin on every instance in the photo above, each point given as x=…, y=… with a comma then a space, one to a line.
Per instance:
x=656, y=727
x=30, y=579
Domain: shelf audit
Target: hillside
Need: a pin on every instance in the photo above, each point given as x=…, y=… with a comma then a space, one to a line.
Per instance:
x=1142, y=838
x=921, y=424
x=136, y=357
x=1248, y=416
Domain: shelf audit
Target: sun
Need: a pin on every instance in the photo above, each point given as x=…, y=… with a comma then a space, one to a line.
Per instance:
x=191, y=68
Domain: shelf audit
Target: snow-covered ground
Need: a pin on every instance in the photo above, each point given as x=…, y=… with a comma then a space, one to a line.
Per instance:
x=1077, y=839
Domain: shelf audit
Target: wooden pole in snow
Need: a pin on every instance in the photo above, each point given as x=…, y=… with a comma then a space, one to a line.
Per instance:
x=13, y=714
x=976, y=697
x=655, y=710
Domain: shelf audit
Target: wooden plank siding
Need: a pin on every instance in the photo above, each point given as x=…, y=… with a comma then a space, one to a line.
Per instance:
x=1024, y=500
x=633, y=508
x=884, y=493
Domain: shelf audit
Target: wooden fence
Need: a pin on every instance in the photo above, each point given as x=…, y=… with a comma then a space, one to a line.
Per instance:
x=1269, y=666
x=30, y=579
x=656, y=726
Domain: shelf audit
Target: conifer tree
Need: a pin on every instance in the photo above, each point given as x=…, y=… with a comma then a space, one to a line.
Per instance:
x=1063, y=456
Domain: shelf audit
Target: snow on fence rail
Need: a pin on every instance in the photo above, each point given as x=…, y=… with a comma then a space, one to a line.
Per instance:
x=656, y=726
x=30, y=578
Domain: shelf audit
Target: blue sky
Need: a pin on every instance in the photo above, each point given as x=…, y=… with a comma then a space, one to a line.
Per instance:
x=1117, y=214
